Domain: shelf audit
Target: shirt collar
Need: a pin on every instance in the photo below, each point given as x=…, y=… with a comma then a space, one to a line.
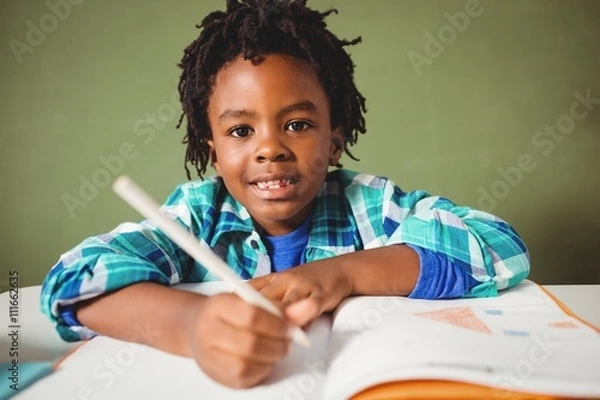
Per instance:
x=232, y=215
x=332, y=224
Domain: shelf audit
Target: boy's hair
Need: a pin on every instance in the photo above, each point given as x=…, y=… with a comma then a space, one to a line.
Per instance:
x=254, y=28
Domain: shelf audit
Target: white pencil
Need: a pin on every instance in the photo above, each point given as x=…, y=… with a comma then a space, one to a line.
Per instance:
x=145, y=205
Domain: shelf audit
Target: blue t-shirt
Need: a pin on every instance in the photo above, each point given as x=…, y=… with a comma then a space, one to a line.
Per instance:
x=287, y=250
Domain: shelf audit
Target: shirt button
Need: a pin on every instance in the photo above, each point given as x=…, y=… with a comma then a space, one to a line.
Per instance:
x=254, y=244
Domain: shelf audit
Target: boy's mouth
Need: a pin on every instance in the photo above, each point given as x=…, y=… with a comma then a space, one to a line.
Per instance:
x=273, y=184
x=272, y=187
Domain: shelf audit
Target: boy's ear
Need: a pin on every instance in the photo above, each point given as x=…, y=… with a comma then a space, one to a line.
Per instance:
x=337, y=147
x=213, y=156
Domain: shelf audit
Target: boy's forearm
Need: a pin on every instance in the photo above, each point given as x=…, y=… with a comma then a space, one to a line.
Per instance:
x=392, y=270
x=146, y=313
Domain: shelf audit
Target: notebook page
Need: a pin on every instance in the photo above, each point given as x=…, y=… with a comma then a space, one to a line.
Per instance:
x=520, y=340
x=106, y=368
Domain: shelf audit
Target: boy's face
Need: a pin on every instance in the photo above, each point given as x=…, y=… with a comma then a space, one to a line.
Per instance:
x=272, y=140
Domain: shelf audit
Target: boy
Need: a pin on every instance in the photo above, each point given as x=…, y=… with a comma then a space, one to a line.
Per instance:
x=270, y=102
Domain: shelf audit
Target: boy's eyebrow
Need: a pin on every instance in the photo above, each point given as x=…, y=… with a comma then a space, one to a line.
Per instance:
x=304, y=105
x=229, y=113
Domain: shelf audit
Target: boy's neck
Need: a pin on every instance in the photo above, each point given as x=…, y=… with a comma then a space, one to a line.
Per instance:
x=284, y=229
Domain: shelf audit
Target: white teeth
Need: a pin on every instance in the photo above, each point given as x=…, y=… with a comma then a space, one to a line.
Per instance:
x=274, y=184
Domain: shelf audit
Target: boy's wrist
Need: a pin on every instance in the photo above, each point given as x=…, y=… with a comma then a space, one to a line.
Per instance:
x=346, y=277
x=340, y=286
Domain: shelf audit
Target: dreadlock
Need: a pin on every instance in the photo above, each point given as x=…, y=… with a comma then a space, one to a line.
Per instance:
x=253, y=28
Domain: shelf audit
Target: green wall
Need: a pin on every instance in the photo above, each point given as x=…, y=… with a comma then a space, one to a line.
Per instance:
x=460, y=119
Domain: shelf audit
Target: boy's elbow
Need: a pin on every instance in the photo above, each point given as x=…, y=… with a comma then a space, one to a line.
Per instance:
x=511, y=262
x=514, y=271
x=509, y=256
x=507, y=263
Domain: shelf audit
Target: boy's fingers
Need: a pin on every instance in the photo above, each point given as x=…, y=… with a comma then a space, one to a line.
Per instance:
x=270, y=287
x=261, y=282
x=275, y=290
x=241, y=315
x=251, y=347
x=231, y=370
x=295, y=294
x=304, y=311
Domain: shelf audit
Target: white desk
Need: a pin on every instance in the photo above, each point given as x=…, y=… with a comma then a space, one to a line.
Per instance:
x=38, y=340
x=583, y=300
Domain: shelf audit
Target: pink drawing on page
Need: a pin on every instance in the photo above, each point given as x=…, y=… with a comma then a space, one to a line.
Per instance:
x=463, y=317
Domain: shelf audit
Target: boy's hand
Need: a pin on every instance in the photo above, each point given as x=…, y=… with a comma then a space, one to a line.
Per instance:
x=305, y=291
x=235, y=343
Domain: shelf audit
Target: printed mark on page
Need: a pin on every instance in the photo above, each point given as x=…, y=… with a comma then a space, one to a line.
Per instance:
x=463, y=317
x=563, y=325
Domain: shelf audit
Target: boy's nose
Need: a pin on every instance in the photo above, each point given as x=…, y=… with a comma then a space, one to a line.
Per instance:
x=270, y=147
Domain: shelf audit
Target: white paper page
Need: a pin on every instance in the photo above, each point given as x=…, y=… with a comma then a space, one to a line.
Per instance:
x=519, y=341
x=110, y=369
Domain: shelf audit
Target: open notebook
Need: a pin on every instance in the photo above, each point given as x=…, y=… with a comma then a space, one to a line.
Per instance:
x=520, y=344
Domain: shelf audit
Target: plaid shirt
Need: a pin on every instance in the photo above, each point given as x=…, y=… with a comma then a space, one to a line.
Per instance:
x=352, y=212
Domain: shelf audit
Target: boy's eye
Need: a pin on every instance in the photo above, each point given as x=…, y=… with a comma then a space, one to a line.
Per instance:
x=298, y=126
x=240, y=131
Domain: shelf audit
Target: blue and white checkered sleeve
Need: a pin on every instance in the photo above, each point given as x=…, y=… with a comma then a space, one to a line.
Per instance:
x=131, y=253
x=485, y=246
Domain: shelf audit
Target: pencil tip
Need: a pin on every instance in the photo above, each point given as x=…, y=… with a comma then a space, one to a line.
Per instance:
x=299, y=336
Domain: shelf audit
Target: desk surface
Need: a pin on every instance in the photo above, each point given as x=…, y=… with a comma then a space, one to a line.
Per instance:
x=583, y=300
x=39, y=340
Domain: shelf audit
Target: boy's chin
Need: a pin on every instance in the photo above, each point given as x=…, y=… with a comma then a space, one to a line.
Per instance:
x=279, y=219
